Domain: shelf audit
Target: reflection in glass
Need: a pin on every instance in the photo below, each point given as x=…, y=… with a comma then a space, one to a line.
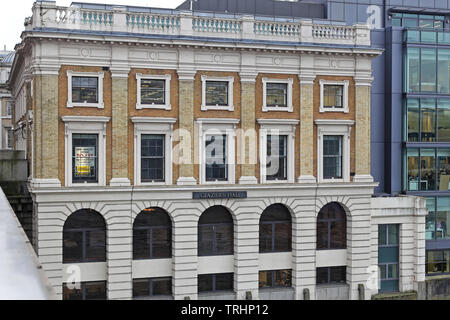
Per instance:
x=428, y=70
x=427, y=169
x=442, y=218
x=412, y=77
x=428, y=120
x=444, y=71
x=413, y=120
x=443, y=120
x=413, y=169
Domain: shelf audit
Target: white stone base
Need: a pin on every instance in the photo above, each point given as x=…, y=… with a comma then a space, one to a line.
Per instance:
x=366, y=178
x=186, y=181
x=120, y=182
x=248, y=180
x=307, y=179
x=45, y=183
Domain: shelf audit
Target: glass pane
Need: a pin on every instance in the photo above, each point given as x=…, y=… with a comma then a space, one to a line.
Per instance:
x=205, y=283
x=332, y=157
x=224, y=281
x=283, y=278
x=412, y=36
x=392, y=271
x=438, y=262
x=442, y=218
x=153, y=91
x=413, y=120
x=72, y=293
x=333, y=96
x=162, y=286
x=84, y=162
x=382, y=235
x=430, y=224
x=216, y=160
x=152, y=158
x=427, y=169
x=216, y=93
x=428, y=120
x=161, y=243
x=429, y=36
x=276, y=94
x=383, y=271
x=141, y=288
x=388, y=254
x=338, y=274
x=443, y=120
x=409, y=23
x=276, y=157
x=265, y=279
x=96, y=291
x=322, y=235
x=95, y=245
x=205, y=240
x=444, y=169
x=428, y=70
x=412, y=70
x=84, y=89
x=444, y=37
x=283, y=234
x=413, y=169
x=322, y=275
x=141, y=244
x=444, y=71
x=224, y=239
x=73, y=246
x=265, y=237
x=393, y=235
x=338, y=234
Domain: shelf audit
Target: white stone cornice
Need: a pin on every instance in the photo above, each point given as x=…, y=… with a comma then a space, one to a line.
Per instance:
x=333, y=122
x=291, y=122
x=218, y=121
x=85, y=119
x=153, y=120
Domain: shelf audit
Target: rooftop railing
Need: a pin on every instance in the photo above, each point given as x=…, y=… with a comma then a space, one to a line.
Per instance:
x=147, y=21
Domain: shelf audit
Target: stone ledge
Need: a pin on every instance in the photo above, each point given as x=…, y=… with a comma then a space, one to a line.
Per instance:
x=410, y=295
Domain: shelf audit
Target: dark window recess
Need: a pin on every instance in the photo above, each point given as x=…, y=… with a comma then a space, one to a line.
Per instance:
x=332, y=228
x=438, y=262
x=331, y=275
x=84, y=158
x=332, y=157
x=216, y=158
x=153, y=158
x=275, y=230
x=216, y=93
x=276, y=157
x=215, y=232
x=388, y=257
x=153, y=91
x=84, y=237
x=85, y=89
x=333, y=96
x=215, y=282
x=276, y=94
x=85, y=291
x=152, y=235
x=275, y=279
x=151, y=287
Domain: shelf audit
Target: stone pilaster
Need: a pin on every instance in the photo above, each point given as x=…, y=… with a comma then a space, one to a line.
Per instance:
x=362, y=144
x=120, y=129
x=248, y=140
x=45, y=173
x=307, y=130
x=186, y=129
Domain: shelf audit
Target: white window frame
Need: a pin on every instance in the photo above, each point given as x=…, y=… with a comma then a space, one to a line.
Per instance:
x=230, y=106
x=167, y=78
x=85, y=125
x=289, y=107
x=282, y=127
x=345, y=84
x=99, y=75
x=157, y=126
x=334, y=128
x=218, y=126
x=10, y=104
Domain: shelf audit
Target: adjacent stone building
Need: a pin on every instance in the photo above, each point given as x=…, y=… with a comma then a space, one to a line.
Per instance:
x=6, y=103
x=176, y=154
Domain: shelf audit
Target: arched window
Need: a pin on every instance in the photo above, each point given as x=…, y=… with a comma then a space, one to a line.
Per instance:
x=331, y=228
x=152, y=235
x=84, y=237
x=215, y=232
x=275, y=229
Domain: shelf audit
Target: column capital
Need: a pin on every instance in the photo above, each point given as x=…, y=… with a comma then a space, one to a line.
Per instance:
x=248, y=77
x=186, y=75
x=306, y=79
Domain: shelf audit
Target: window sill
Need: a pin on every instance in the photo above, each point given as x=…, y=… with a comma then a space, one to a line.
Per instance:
x=333, y=109
x=85, y=105
x=217, y=108
x=167, y=107
x=277, y=109
x=156, y=298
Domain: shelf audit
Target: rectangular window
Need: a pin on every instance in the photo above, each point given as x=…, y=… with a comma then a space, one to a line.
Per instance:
x=152, y=158
x=153, y=91
x=151, y=287
x=86, y=291
x=333, y=96
x=442, y=218
x=85, y=158
x=444, y=71
x=215, y=282
x=388, y=256
x=84, y=89
x=216, y=93
x=430, y=222
x=331, y=275
x=275, y=279
x=215, y=239
x=332, y=157
x=276, y=157
x=412, y=70
x=438, y=262
x=9, y=139
x=216, y=158
x=428, y=120
x=427, y=169
x=428, y=70
x=412, y=174
x=413, y=118
x=443, y=169
x=276, y=94
x=8, y=109
x=443, y=126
